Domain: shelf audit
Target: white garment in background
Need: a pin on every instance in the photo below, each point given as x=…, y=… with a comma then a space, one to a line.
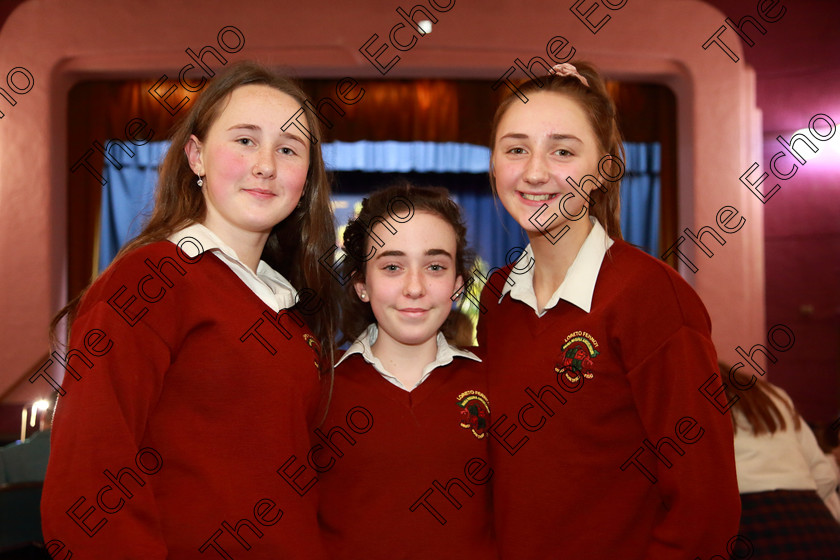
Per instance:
x=788, y=459
x=833, y=499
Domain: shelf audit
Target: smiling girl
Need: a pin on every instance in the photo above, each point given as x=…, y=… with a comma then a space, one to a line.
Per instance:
x=203, y=375
x=605, y=448
x=412, y=482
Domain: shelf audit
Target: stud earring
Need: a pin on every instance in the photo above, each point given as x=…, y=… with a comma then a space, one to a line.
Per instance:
x=363, y=296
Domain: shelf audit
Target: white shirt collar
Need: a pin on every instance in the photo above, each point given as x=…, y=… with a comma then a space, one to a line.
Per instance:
x=268, y=284
x=445, y=354
x=579, y=284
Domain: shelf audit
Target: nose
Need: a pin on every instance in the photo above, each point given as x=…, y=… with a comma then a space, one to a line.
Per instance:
x=414, y=287
x=264, y=166
x=536, y=171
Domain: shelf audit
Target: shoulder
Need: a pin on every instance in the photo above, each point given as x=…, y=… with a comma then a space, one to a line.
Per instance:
x=146, y=273
x=480, y=353
x=494, y=284
x=638, y=269
x=159, y=253
x=781, y=398
x=651, y=285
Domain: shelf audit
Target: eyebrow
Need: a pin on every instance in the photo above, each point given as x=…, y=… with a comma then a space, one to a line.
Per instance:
x=429, y=253
x=390, y=254
x=290, y=135
x=566, y=137
x=521, y=136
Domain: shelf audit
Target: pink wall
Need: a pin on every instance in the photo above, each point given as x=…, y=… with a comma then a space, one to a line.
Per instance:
x=797, y=64
x=61, y=43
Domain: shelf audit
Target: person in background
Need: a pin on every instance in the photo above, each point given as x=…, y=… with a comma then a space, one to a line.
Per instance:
x=783, y=475
x=828, y=441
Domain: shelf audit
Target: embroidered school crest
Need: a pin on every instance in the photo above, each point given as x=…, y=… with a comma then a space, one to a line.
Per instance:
x=579, y=349
x=313, y=343
x=475, y=412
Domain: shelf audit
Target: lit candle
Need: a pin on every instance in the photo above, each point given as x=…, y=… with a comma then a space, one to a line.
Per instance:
x=37, y=406
x=23, y=426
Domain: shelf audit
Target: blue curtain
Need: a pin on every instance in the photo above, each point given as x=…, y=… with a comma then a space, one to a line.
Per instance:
x=127, y=197
x=391, y=156
x=640, y=196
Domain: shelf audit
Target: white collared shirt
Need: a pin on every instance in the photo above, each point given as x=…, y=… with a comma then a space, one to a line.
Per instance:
x=445, y=354
x=787, y=459
x=268, y=284
x=579, y=284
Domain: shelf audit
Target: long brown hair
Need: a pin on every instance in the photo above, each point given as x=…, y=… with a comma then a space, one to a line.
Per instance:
x=356, y=314
x=293, y=246
x=600, y=110
x=756, y=404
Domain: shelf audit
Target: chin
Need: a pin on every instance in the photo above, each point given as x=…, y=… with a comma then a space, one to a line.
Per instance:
x=266, y=223
x=411, y=339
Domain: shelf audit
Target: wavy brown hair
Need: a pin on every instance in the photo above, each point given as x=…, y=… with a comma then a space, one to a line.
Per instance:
x=600, y=110
x=357, y=314
x=756, y=404
x=293, y=246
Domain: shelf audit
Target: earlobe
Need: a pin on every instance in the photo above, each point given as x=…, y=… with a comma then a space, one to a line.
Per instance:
x=602, y=185
x=459, y=284
x=193, y=150
x=361, y=290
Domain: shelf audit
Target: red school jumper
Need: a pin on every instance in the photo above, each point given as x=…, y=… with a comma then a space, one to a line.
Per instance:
x=169, y=443
x=603, y=446
x=414, y=479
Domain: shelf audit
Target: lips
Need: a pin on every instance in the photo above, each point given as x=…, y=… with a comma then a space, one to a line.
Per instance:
x=413, y=311
x=260, y=193
x=537, y=197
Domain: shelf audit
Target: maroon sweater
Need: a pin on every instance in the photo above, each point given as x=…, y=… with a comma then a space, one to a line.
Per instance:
x=412, y=481
x=189, y=400
x=603, y=446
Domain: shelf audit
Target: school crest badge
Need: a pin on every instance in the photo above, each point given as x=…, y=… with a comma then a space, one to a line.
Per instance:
x=313, y=343
x=576, y=358
x=475, y=412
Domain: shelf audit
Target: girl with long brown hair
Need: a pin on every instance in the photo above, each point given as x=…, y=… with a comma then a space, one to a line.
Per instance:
x=195, y=359
x=603, y=446
x=783, y=475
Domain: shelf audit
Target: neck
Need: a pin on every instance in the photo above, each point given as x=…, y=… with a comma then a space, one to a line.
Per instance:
x=552, y=261
x=404, y=361
x=248, y=245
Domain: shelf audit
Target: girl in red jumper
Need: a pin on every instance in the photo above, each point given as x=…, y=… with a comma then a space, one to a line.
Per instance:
x=408, y=476
x=193, y=370
x=603, y=446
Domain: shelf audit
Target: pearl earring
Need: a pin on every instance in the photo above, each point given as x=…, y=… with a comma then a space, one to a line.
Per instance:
x=200, y=183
